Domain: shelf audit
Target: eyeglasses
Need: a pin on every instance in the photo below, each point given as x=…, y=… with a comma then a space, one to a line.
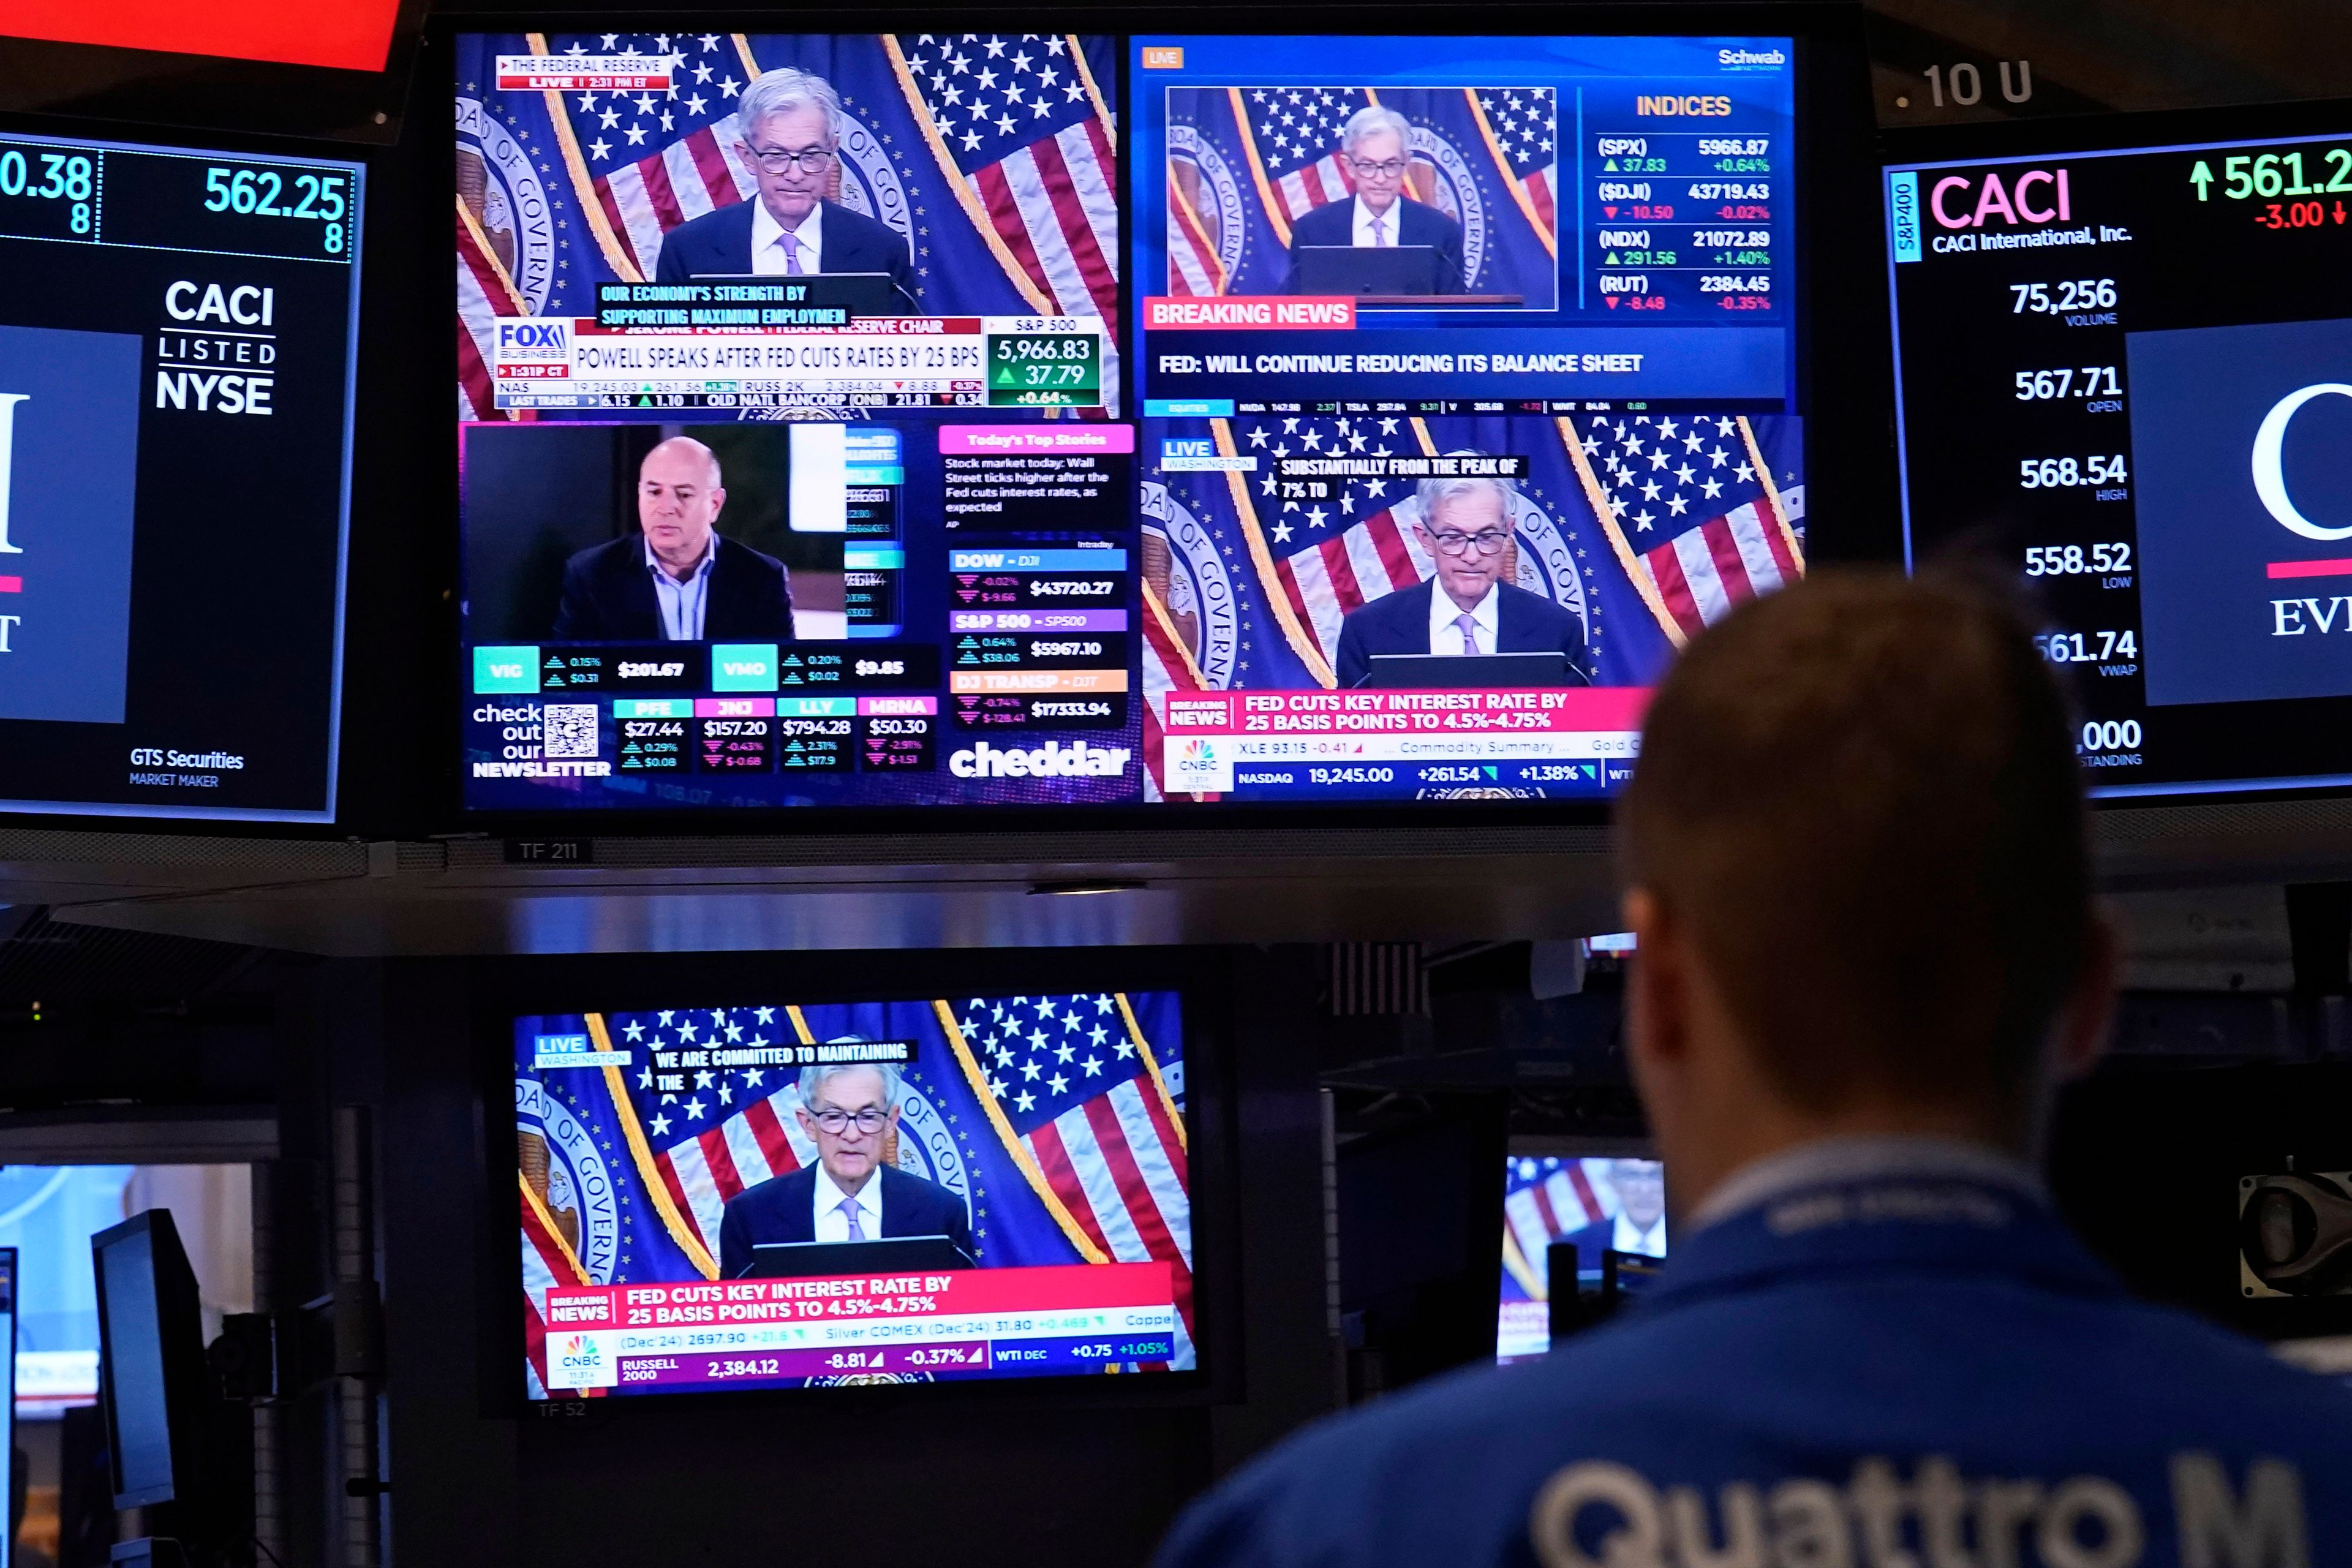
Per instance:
x=838, y=1120
x=1452, y=544
x=1388, y=170
x=776, y=161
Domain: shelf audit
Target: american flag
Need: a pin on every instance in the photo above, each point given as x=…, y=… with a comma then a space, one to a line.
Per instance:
x=1294, y=139
x=1547, y=1199
x=547, y=1263
x=1084, y=1109
x=1689, y=499
x=1168, y=666
x=730, y=1128
x=659, y=159
x=1024, y=127
x=1194, y=267
x=1522, y=125
x=485, y=293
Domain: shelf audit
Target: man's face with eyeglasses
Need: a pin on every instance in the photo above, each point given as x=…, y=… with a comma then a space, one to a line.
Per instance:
x=849, y=1117
x=1378, y=162
x=791, y=191
x=1467, y=534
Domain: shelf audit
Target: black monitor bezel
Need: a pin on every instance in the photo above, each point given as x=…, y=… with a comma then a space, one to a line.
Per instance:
x=1847, y=433
x=505, y=990
x=2058, y=136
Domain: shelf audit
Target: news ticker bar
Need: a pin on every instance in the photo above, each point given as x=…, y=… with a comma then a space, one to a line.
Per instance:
x=983, y=1321
x=1009, y=362
x=1239, y=407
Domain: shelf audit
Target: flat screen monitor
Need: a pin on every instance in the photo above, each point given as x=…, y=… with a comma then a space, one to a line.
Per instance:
x=2127, y=374
x=809, y=1195
x=176, y=355
x=1598, y=1205
x=151, y=1330
x=1101, y=508
x=9, y=1481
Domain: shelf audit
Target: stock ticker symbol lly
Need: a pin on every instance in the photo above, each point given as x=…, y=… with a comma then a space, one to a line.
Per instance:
x=2270, y=477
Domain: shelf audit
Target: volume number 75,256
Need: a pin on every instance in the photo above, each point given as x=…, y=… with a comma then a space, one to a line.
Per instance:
x=263, y=192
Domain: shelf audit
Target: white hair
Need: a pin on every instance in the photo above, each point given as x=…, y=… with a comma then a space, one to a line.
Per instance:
x=813, y=1079
x=782, y=90
x=1430, y=492
x=1366, y=120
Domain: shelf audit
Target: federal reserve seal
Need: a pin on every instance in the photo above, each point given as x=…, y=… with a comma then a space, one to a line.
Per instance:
x=1200, y=179
x=1457, y=196
x=502, y=193
x=567, y=1173
x=1182, y=563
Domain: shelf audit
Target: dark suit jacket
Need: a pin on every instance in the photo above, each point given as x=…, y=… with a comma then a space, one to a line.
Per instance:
x=608, y=596
x=720, y=243
x=785, y=1210
x=1334, y=222
x=1399, y=623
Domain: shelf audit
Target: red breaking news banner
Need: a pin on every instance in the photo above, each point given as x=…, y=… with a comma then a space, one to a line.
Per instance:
x=346, y=35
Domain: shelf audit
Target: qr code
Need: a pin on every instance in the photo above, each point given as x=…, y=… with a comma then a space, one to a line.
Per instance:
x=570, y=729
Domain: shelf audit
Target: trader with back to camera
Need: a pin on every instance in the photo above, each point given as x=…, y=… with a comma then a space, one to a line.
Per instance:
x=675, y=579
x=1464, y=527
x=1859, y=876
x=792, y=122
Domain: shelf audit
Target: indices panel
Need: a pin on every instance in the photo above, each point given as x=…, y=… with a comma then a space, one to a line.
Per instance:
x=2129, y=373
x=176, y=351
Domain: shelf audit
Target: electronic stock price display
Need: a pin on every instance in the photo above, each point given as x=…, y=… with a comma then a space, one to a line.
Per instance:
x=834, y=435
x=176, y=345
x=2131, y=372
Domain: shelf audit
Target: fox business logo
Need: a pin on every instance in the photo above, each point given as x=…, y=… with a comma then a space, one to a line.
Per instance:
x=533, y=338
x=1051, y=761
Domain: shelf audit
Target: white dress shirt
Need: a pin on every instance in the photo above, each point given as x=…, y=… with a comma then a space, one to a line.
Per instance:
x=1628, y=1237
x=832, y=1225
x=684, y=606
x=1390, y=221
x=1446, y=637
x=768, y=251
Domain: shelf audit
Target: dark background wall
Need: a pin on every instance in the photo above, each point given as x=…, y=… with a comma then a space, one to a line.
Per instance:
x=1038, y=1474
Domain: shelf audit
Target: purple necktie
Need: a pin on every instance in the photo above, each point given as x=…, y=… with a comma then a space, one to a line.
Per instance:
x=1380, y=231
x=792, y=269
x=1469, y=624
x=849, y=1211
